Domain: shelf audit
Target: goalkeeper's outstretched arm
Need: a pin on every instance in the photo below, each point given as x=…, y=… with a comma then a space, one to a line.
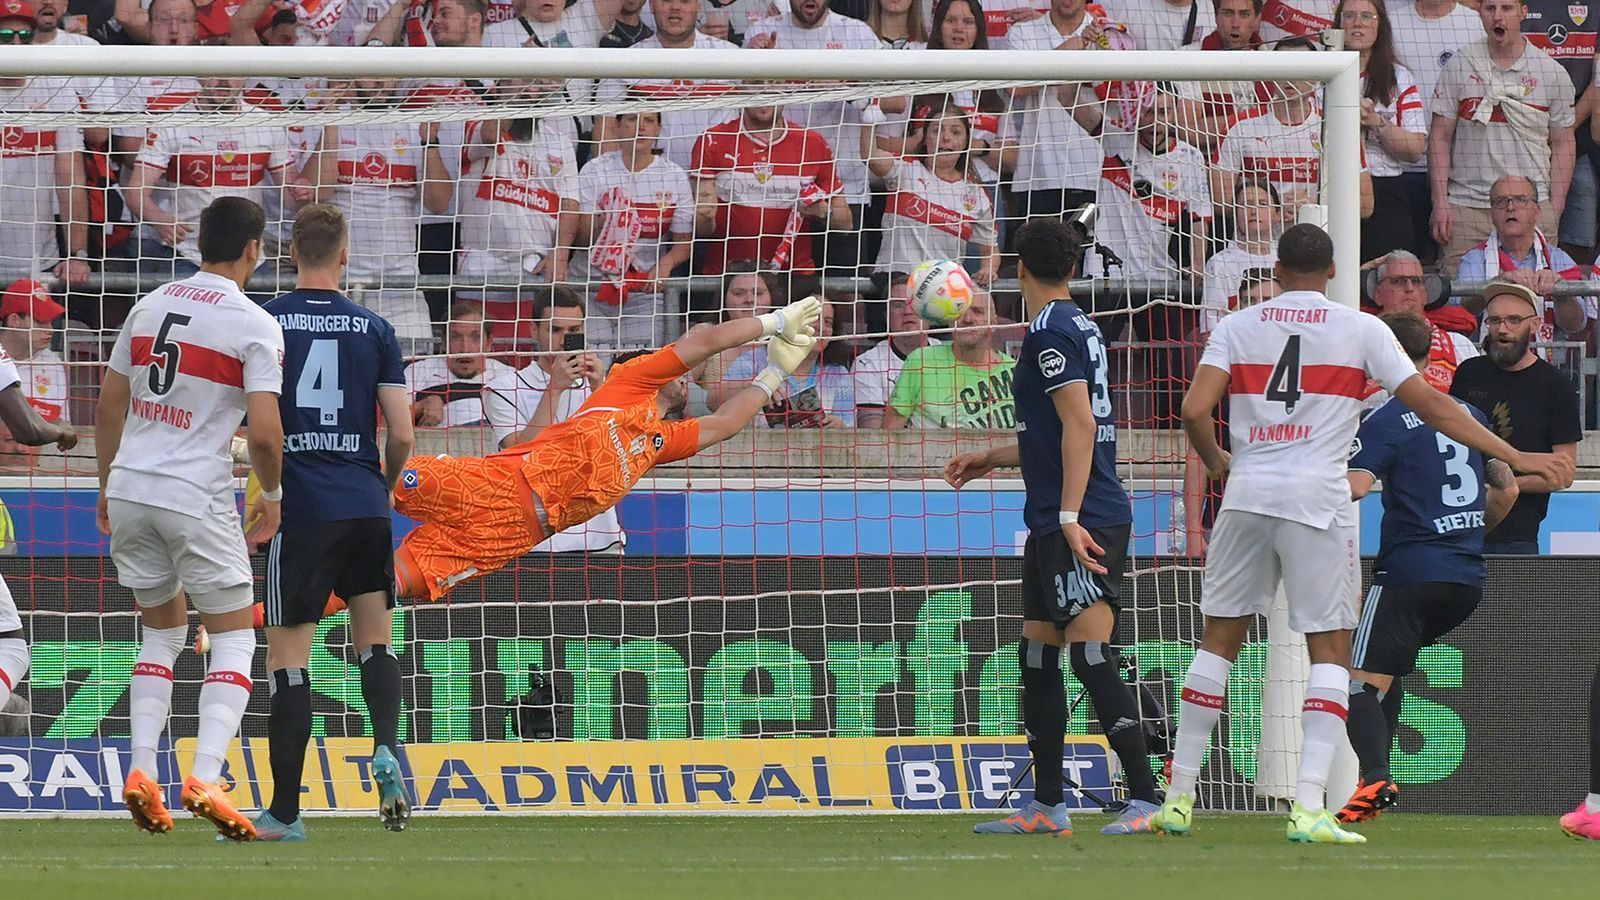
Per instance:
x=783, y=357
x=799, y=317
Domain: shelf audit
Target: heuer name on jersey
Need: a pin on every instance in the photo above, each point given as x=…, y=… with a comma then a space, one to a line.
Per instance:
x=310, y=441
x=328, y=323
x=1459, y=521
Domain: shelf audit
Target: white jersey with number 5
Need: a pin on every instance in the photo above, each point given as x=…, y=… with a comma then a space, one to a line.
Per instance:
x=1298, y=366
x=191, y=350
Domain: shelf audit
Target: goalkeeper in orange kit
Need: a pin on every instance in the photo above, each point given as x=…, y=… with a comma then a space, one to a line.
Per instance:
x=479, y=513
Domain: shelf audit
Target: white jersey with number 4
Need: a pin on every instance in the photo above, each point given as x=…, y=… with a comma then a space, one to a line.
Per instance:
x=191, y=350
x=1298, y=366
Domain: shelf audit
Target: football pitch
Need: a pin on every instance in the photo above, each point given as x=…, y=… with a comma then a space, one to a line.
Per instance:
x=762, y=857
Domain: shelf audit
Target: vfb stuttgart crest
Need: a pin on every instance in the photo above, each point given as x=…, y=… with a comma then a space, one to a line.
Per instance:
x=1578, y=13
x=763, y=171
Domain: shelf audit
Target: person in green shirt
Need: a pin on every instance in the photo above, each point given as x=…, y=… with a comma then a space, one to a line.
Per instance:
x=964, y=383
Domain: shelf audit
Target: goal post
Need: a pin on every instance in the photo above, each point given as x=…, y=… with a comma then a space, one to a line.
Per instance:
x=806, y=618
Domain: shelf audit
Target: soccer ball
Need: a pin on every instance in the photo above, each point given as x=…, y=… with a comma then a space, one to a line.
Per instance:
x=941, y=290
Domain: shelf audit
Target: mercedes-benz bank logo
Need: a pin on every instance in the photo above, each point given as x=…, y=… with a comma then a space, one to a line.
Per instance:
x=1557, y=34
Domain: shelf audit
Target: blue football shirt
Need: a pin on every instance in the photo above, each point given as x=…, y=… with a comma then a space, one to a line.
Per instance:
x=336, y=355
x=1433, y=498
x=1064, y=346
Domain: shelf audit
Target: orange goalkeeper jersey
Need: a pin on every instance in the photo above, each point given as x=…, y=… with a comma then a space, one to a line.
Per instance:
x=585, y=465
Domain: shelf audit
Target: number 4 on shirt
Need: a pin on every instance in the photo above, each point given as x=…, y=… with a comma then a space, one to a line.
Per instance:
x=1283, y=386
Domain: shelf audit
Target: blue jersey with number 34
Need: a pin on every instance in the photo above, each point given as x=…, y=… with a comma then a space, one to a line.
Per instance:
x=335, y=356
x=1433, y=498
x=1064, y=346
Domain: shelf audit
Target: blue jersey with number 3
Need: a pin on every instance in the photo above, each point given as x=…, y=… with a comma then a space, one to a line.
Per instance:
x=335, y=355
x=1433, y=498
x=1064, y=346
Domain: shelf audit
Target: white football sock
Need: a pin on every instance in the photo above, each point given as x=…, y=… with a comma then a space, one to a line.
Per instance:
x=150, y=692
x=1322, y=721
x=1592, y=804
x=13, y=665
x=222, y=700
x=1204, y=688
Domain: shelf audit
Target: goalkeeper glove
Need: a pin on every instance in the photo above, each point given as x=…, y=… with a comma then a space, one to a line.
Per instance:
x=783, y=357
x=789, y=322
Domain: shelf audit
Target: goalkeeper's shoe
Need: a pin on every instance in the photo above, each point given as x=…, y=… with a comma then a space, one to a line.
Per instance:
x=1319, y=827
x=394, y=801
x=1369, y=801
x=1175, y=815
x=143, y=797
x=1135, y=819
x=268, y=828
x=1580, y=823
x=1035, y=818
x=210, y=803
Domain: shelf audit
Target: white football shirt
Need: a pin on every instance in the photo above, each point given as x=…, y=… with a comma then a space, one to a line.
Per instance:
x=191, y=351
x=1298, y=367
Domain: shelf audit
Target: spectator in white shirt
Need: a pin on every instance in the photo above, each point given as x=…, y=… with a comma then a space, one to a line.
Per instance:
x=27, y=325
x=636, y=212
x=550, y=23
x=959, y=25
x=1394, y=124
x=876, y=369
x=549, y=389
x=41, y=175
x=898, y=23
x=1502, y=107
x=1210, y=108
x=1167, y=24
x=448, y=390
x=1257, y=220
x=1058, y=166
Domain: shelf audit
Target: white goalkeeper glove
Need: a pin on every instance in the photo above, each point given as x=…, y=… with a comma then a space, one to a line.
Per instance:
x=790, y=322
x=783, y=357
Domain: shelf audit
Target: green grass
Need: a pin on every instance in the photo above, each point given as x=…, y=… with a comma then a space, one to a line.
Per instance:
x=760, y=858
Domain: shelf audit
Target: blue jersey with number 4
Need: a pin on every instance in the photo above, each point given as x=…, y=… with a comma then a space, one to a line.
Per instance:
x=335, y=355
x=1433, y=498
x=1064, y=346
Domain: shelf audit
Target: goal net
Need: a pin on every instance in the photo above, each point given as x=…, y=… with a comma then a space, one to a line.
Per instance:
x=804, y=618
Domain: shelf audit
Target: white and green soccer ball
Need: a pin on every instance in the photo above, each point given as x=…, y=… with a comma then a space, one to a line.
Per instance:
x=941, y=290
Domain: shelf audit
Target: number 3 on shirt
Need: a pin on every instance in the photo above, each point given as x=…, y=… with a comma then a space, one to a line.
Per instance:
x=1100, y=391
x=1456, y=466
x=318, y=387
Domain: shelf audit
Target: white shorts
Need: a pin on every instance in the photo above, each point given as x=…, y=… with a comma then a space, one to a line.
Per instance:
x=10, y=620
x=1249, y=555
x=157, y=551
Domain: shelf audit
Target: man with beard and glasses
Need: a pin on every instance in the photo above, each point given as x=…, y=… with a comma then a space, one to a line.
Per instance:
x=1529, y=402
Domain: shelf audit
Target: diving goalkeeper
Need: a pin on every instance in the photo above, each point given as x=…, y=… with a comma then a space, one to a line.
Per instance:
x=477, y=514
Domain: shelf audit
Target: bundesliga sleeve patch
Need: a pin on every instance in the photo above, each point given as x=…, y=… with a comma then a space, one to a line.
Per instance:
x=1051, y=362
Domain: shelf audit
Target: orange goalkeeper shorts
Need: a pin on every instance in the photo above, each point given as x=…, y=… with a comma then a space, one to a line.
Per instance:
x=476, y=515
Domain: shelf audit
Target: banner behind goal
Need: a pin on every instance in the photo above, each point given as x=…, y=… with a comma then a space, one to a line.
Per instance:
x=806, y=617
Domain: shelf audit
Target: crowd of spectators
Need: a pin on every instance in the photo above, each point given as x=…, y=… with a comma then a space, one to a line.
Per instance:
x=559, y=235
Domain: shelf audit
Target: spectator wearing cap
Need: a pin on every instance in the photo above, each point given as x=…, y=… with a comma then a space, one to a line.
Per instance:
x=1528, y=401
x=1518, y=251
x=27, y=318
x=1401, y=287
x=1501, y=107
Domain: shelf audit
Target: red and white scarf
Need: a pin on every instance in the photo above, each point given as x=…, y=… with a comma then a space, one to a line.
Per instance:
x=1496, y=260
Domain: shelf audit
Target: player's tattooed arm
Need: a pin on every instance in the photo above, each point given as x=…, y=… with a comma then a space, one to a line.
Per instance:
x=1503, y=492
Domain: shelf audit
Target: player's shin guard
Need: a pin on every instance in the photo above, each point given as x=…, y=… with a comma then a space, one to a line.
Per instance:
x=1322, y=721
x=380, y=687
x=13, y=666
x=1204, y=688
x=150, y=693
x=222, y=700
x=1044, y=714
x=1095, y=665
x=288, y=731
x=1368, y=728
